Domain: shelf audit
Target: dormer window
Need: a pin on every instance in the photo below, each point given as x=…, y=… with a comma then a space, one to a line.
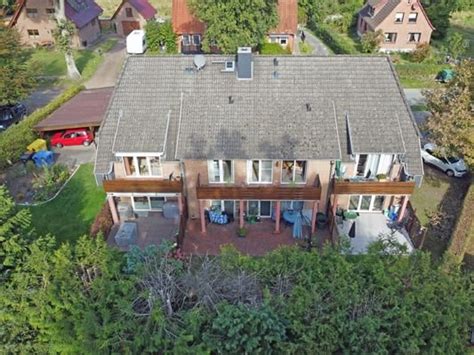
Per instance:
x=399, y=17
x=412, y=17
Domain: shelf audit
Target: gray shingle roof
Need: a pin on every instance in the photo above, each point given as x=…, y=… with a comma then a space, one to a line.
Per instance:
x=268, y=117
x=380, y=14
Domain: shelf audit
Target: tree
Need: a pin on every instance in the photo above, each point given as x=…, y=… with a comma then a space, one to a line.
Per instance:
x=6, y=7
x=439, y=13
x=235, y=23
x=451, y=125
x=16, y=79
x=63, y=34
x=457, y=45
x=370, y=41
x=160, y=35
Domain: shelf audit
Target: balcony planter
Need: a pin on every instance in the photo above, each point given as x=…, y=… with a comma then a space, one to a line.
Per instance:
x=242, y=232
x=381, y=177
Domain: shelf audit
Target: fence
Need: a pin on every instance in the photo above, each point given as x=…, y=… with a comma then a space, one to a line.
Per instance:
x=415, y=229
x=182, y=224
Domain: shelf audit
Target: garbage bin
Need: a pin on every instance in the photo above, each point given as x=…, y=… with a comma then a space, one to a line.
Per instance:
x=43, y=158
x=321, y=220
x=37, y=145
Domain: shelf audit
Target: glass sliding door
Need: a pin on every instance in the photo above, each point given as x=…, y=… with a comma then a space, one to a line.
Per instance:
x=366, y=203
x=260, y=208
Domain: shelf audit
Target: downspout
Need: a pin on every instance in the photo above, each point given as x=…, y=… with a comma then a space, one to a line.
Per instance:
x=328, y=197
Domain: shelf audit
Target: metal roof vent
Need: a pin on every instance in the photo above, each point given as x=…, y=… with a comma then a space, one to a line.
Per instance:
x=308, y=107
x=231, y=100
x=275, y=62
x=199, y=61
x=244, y=63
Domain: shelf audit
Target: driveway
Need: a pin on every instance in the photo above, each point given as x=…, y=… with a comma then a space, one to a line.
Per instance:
x=74, y=155
x=319, y=47
x=108, y=72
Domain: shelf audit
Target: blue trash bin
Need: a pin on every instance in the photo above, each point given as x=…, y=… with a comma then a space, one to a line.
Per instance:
x=43, y=158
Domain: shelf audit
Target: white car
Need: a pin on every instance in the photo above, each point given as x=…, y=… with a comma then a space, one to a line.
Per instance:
x=452, y=166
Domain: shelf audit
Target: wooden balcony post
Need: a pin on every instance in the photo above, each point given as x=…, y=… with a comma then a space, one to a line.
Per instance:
x=277, y=217
x=241, y=213
x=203, y=216
x=180, y=204
x=313, y=219
x=401, y=214
x=113, y=209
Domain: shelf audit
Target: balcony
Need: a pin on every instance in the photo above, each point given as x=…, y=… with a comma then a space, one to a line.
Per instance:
x=265, y=192
x=143, y=185
x=372, y=187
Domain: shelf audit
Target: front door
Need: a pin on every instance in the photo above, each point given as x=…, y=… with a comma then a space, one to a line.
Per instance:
x=129, y=26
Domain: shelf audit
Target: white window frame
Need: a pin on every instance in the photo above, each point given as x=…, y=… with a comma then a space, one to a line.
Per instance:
x=294, y=172
x=259, y=202
x=371, y=205
x=186, y=39
x=137, y=169
x=387, y=37
x=33, y=36
x=210, y=170
x=222, y=205
x=149, y=209
x=370, y=157
x=249, y=172
x=412, y=17
x=194, y=36
x=414, y=33
x=397, y=16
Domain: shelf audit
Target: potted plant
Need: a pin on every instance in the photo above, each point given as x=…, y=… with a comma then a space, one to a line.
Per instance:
x=242, y=232
x=381, y=177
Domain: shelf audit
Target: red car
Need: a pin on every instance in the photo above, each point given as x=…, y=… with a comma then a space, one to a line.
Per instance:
x=80, y=136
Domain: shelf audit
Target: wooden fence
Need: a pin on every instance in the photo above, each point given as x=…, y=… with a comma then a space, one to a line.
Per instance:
x=182, y=224
x=415, y=229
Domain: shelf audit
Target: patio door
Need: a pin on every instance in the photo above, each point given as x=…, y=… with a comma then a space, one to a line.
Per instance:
x=227, y=206
x=366, y=203
x=261, y=209
x=148, y=203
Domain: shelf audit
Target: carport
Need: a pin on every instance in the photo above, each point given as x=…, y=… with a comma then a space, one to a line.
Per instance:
x=85, y=110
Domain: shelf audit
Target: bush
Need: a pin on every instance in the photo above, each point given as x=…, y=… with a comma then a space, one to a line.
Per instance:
x=14, y=141
x=336, y=42
x=160, y=35
x=421, y=53
x=48, y=183
x=273, y=49
x=103, y=222
x=370, y=41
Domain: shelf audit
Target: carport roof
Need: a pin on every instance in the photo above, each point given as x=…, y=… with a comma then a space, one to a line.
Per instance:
x=86, y=109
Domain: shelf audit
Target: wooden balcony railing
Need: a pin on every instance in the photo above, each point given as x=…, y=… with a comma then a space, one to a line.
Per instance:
x=143, y=185
x=345, y=187
x=261, y=192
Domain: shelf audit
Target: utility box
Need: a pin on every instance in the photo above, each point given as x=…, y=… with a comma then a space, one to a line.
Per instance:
x=136, y=42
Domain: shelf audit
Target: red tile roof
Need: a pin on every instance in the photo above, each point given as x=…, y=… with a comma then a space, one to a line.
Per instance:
x=288, y=17
x=183, y=21
x=142, y=6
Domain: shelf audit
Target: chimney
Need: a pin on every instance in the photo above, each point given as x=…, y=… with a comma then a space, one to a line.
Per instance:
x=244, y=63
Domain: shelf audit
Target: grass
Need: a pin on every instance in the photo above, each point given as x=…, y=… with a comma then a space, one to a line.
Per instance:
x=463, y=22
x=71, y=214
x=305, y=48
x=163, y=7
x=419, y=75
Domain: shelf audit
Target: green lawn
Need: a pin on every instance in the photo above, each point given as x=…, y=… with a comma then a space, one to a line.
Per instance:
x=463, y=22
x=71, y=214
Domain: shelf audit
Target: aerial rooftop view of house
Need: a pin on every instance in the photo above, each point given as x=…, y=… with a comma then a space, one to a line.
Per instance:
x=253, y=135
x=35, y=21
x=190, y=30
x=404, y=23
x=132, y=15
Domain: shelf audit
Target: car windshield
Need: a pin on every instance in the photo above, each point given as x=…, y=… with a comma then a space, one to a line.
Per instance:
x=453, y=160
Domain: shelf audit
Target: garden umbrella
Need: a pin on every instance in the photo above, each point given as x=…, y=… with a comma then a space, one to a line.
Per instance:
x=298, y=226
x=352, y=231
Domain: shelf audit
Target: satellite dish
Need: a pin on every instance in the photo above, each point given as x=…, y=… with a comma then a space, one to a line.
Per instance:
x=199, y=61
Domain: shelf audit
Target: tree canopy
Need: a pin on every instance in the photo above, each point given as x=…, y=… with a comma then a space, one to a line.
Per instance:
x=451, y=125
x=439, y=13
x=235, y=23
x=16, y=79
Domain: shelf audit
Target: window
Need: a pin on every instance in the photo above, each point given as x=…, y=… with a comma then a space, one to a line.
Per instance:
x=50, y=12
x=33, y=34
x=283, y=41
x=140, y=203
x=399, y=17
x=361, y=164
x=142, y=166
x=260, y=171
x=371, y=11
x=293, y=171
x=412, y=17
x=414, y=37
x=186, y=40
x=369, y=165
x=84, y=43
x=259, y=208
x=196, y=40
x=227, y=206
x=220, y=171
x=128, y=12
x=390, y=37
x=148, y=203
x=366, y=203
x=32, y=12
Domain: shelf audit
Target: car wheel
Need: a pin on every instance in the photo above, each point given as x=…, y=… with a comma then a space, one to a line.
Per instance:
x=450, y=173
x=59, y=145
x=86, y=143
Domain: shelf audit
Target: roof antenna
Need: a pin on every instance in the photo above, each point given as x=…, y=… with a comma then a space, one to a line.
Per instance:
x=308, y=107
x=231, y=100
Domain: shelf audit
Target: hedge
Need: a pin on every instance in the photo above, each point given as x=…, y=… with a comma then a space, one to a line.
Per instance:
x=14, y=140
x=103, y=222
x=336, y=42
x=464, y=229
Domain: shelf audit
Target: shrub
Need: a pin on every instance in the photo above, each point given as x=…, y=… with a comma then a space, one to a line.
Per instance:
x=103, y=222
x=160, y=35
x=273, y=49
x=305, y=48
x=421, y=53
x=14, y=141
x=48, y=183
x=370, y=41
x=336, y=42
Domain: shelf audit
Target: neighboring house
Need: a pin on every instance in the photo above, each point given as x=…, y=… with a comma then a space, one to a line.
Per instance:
x=255, y=135
x=404, y=23
x=190, y=30
x=35, y=21
x=132, y=15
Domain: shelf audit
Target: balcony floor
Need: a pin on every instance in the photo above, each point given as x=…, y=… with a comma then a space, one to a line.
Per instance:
x=259, y=240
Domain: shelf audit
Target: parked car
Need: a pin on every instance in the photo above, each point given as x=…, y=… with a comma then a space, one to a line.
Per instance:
x=11, y=114
x=452, y=166
x=80, y=136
